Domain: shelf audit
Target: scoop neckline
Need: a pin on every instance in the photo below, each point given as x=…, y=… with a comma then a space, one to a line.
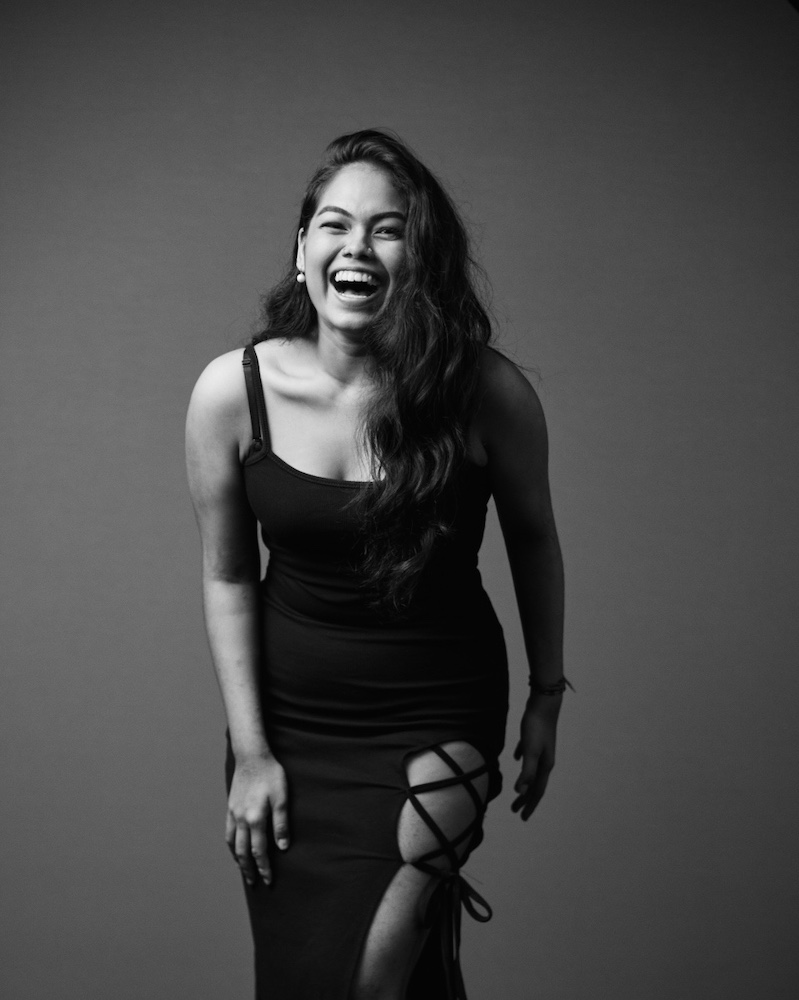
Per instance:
x=254, y=457
x=317, y=479
x=267, y=452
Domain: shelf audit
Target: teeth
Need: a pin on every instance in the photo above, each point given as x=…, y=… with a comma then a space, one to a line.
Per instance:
x=354, y=276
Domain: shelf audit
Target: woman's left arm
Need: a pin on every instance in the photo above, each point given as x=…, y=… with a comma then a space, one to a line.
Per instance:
x=514, y=434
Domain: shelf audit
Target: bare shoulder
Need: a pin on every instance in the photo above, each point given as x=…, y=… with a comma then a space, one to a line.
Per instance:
x=220, y=383
x=515, y=437
x=507, y=400
x=218, y=436
x=218, y=409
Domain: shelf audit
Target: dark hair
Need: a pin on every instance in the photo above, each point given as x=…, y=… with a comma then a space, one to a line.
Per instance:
x=424, y=347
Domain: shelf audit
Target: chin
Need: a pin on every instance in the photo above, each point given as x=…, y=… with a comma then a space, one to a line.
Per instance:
x=351, y=324
x=346, y=319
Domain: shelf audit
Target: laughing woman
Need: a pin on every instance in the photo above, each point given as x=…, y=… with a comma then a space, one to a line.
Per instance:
x=365, y=677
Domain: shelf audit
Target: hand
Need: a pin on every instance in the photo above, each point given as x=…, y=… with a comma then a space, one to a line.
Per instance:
x=258, y=799
x=536, y=750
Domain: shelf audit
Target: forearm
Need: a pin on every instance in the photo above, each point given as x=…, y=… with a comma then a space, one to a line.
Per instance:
x=232, y=623
x=537, y=567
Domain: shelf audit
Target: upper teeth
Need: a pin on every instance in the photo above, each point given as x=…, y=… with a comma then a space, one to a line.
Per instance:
x=355, y=276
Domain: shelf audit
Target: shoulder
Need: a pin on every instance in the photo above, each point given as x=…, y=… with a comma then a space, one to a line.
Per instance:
x=218, y=407
x=506, y=398
x=221, y=382
x=514, y=435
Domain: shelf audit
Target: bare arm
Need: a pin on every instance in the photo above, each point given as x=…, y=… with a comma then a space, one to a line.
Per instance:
x=216, y=432
x=515, y=438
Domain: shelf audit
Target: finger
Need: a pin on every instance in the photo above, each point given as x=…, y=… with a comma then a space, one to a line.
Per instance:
x=243, y=855
x=230, y=833
x=280, y=823
x=523, y=804
x=520, y=799
x=259, y=852
x=534, y=792
x=527, y=774
x=534, y=796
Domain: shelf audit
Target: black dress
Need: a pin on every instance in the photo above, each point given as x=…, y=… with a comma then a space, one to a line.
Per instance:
x=347, y=699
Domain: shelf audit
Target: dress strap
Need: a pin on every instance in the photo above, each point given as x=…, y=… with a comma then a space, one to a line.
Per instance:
x=255, y=396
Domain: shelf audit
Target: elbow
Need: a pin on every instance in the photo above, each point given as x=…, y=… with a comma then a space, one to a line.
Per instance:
x=538, y=548
x=530, y=534
x=245, y=570
x=234, y=579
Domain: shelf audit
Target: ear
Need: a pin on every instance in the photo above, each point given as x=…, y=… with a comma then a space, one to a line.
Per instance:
x=301, y=250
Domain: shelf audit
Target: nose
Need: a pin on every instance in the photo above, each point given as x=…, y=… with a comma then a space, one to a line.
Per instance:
x=358, y=244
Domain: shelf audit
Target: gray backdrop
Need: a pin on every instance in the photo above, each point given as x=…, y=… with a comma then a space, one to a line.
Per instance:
x=630, y=174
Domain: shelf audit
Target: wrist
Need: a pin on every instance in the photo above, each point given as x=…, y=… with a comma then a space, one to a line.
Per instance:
x=250, y=750
x=549, y=689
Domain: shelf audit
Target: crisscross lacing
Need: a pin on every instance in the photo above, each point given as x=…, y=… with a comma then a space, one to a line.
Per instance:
x=453, y=890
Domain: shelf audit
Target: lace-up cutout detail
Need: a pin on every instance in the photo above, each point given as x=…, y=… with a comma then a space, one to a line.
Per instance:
x=468, y=838
x=445, y=859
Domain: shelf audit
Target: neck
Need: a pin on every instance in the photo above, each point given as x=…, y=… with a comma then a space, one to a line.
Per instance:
x=342, y=357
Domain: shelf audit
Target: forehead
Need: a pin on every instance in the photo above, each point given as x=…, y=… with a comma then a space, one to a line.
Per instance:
x=362, y=187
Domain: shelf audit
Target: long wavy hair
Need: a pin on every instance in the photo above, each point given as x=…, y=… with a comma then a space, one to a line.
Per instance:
x=424, y=351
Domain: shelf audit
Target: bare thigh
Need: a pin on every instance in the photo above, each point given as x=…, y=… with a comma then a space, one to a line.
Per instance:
x=398, y=932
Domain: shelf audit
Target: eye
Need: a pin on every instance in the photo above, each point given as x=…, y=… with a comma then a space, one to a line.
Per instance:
x=333, y=225
x=391, y=232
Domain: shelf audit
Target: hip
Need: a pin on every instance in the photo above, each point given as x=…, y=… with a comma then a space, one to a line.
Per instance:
x=451, y=673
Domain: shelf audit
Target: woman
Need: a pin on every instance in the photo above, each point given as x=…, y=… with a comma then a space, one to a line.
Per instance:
x=365, y=679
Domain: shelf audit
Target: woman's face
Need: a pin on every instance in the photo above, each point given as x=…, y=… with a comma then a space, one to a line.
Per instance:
x=353, y=247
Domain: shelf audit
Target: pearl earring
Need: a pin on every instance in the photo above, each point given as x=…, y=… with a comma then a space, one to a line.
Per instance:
x=300, y=277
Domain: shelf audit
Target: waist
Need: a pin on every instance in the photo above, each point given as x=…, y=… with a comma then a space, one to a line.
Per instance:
x=409, y=675
x=335, y=595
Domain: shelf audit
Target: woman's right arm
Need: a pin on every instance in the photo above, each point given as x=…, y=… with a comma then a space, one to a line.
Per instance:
x=217, y=432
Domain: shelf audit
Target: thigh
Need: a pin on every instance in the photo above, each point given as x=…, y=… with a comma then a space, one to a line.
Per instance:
x=438, y=824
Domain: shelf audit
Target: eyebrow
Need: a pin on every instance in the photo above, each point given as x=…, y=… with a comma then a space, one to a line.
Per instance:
x=374, y=218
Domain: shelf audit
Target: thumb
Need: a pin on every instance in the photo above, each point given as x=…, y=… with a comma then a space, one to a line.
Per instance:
x=280, y=822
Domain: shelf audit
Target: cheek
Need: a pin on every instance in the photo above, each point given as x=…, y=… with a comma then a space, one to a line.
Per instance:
x=394, y=260
x=315, y=267
x=316, y=287
x=317, y=245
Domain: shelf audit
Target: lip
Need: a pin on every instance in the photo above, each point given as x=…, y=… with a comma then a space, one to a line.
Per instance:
x=358, y=301
x=357, y=270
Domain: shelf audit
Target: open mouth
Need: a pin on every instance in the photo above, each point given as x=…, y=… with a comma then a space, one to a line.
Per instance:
x=358, y=285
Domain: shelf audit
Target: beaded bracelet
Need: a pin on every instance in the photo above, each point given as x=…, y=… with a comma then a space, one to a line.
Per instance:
x=552, y=689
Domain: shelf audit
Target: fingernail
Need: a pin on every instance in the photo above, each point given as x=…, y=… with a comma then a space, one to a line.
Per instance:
x=282, y=844
x=267, y=879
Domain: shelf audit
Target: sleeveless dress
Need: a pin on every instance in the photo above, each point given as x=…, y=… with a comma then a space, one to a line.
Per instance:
x=348, y=697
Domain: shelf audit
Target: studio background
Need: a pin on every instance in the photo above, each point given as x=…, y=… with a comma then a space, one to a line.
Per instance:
x=629, y=174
